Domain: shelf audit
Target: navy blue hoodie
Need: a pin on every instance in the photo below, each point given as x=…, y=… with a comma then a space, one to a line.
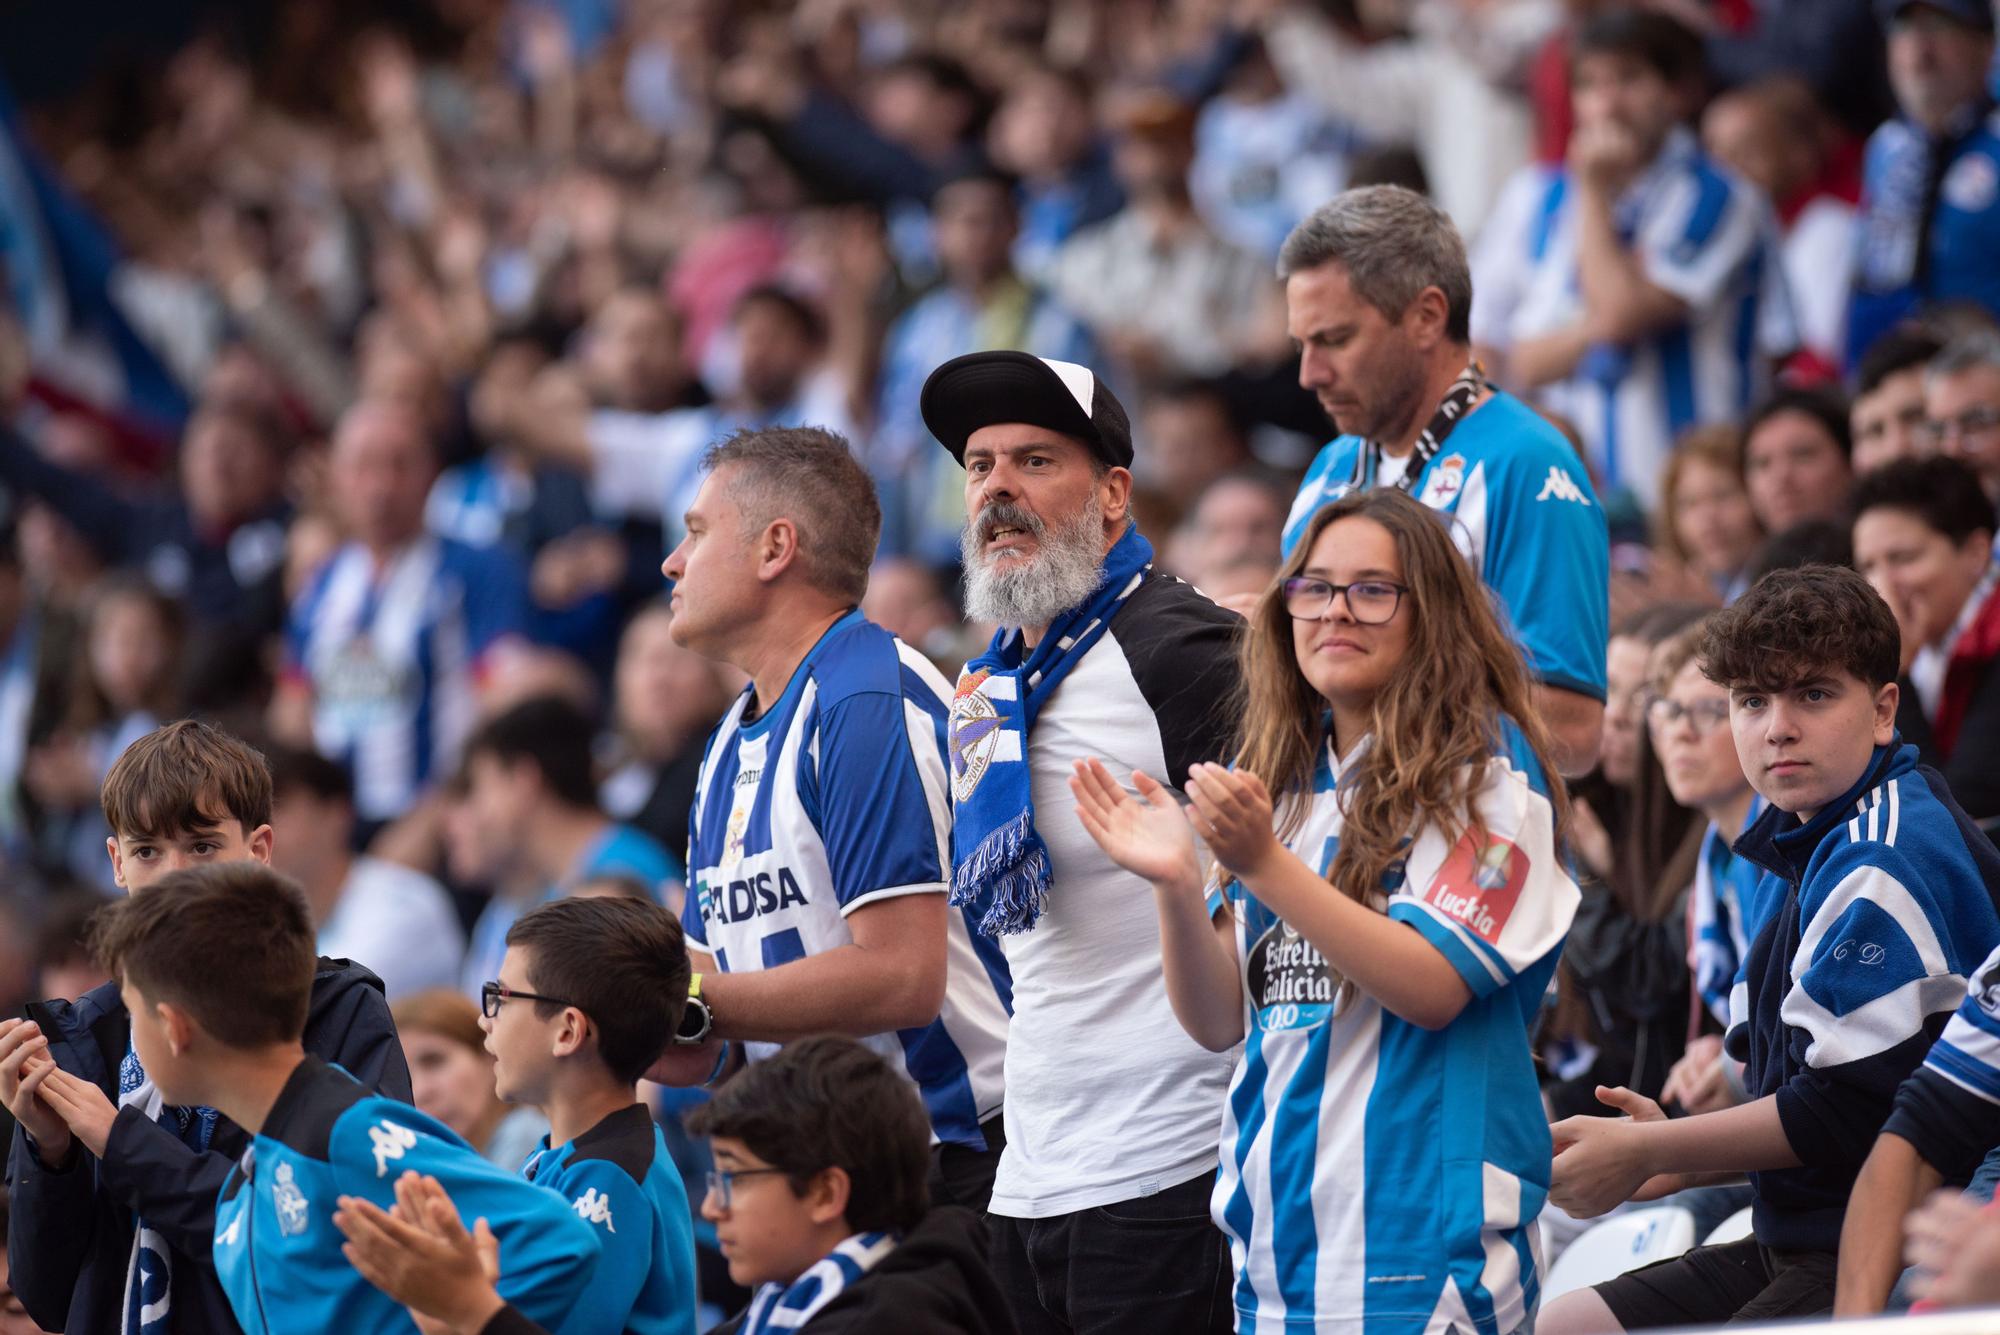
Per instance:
x=1885, y=904
x=69, y=1246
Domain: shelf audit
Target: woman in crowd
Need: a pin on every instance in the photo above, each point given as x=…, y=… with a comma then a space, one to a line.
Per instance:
x=1705, y=521
x=1622, y=1014
x=1923, y=536
x=451, y=1077
x=1687, y=719
x=1385, y=920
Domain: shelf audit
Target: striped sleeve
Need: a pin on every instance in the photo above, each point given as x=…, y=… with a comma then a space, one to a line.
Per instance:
x=1700, y=240
x=1872, y=985
x=1949, y=1109
x=1498, y=899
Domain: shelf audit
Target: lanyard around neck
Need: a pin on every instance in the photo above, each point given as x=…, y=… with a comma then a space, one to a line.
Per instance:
x=1457, y=402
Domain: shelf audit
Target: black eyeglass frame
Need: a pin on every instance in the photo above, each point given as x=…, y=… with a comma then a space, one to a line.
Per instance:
x=722, y=1182
x=1297, y=582
x=492, y=992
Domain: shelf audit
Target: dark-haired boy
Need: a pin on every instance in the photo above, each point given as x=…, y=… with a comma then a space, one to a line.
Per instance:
x=1885, y=897
x=588, y=996
x=115, y=1236
x=820, y=1195
x=215, y=965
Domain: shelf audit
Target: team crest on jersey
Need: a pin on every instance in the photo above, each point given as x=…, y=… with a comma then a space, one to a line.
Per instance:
x=1986, y=985
x=1480, y=883
x=1441, y=488
x=290, y=1202
x=1972, y=183
x=732, y=838
x=975, y=733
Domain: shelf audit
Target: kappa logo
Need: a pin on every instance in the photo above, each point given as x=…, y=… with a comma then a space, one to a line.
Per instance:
x=391, y=1142
x=593, y=1207
x=1560, y=486
x=228, y=1236
x=291, y=1203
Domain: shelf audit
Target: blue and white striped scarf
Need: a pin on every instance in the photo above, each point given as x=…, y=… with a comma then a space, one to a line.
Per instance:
x=149, y=1276
x=787, y=1307
x=998, y=860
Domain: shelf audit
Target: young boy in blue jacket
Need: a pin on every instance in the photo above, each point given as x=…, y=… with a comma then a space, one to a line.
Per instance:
x=113, y=1187
x=1886, y=898
x=215, y=964
x=589, y=995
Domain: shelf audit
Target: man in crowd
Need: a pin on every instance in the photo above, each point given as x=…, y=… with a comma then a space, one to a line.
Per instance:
x=1930, y=199
x=1113, y=1112
x=1795, y=459
x=818, y=862
x=1629, y=287
x=982, y=303
x=394, y=919
x=1887, y=415
x=1378, y=298
x=531, y=800
x=1962, y=405
x=388, y=642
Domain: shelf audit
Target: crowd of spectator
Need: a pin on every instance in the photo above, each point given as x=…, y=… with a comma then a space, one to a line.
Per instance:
x=414, y=327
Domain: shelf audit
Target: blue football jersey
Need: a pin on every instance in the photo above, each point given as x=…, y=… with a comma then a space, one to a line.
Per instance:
x=1377, y=1175
x=833, y=799
x=1524, y=514
x=278, y=1254
x=620, y=1180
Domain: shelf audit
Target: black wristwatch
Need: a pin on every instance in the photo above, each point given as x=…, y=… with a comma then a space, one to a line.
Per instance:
x=697, y=1019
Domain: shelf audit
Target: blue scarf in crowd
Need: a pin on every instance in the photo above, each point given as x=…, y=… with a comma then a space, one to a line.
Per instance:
x=789, y=1306
x=149, y=1278
x=999, y=862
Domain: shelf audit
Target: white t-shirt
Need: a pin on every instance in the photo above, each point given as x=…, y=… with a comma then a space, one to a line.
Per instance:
x=1108, y=1099
x=398, y=922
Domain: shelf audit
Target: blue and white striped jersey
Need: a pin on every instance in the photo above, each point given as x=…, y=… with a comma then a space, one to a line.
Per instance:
x=1726, y=910
x=1702, y=235
x=1523, y=513
x=1949, y=1109
x=1377, y=1175
x=392, y=655
x=835, y=798
x=1883, y=906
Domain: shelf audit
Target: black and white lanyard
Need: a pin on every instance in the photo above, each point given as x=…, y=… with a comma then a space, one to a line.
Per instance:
x=1457, y=402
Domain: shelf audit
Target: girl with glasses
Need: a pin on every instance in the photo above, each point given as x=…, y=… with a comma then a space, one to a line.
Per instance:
x=1383, y=921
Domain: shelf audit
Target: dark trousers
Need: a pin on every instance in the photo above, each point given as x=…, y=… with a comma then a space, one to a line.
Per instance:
x=1154, y=1264
x=961, y=1175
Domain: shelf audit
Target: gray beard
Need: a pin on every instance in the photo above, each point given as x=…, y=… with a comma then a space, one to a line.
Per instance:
x=1065, y=570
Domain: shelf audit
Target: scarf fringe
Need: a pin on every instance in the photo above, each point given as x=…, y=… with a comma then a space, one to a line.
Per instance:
x=1008, y=875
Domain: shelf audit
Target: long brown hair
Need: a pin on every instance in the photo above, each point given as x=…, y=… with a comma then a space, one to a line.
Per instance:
x=1435, y=724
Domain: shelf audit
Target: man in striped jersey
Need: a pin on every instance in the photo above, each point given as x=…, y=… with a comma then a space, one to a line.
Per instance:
x=1884, y=896
x=820, y=851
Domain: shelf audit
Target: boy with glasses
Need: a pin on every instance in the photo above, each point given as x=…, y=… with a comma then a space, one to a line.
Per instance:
x=589, y=995
x=819, y=1196
x=215, y=965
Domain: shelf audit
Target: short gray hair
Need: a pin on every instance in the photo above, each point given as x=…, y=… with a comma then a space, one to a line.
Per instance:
x=808, y=475
x=1967, y=352
x=1394, y=243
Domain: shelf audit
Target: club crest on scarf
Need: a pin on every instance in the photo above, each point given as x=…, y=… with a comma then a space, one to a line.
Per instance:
x=977, y=737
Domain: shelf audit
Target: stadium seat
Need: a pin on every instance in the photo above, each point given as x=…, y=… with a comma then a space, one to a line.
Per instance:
x=1733, y=1229
x=1621, y=1243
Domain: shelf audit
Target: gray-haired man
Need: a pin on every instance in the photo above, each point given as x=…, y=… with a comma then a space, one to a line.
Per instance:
x=1962, y=405
x=1378, y=298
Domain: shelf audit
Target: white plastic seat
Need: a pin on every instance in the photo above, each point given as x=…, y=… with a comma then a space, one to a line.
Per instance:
x=1621, y=1243
x=1733, y=1229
